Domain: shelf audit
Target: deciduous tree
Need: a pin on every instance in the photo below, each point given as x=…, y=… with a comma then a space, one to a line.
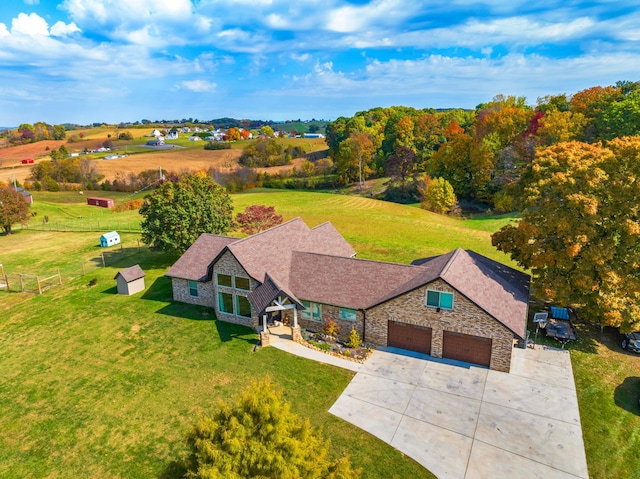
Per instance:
x=438, y=195
x=13, y=208
x=267, y=131
x=256, y=218
x=177, y=213
x=580, y=229
x=259, y=436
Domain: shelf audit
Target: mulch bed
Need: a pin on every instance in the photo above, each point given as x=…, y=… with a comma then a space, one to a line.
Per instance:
x=330, y=345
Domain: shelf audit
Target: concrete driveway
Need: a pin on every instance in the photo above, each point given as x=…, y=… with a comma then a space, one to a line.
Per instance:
x=467, y=422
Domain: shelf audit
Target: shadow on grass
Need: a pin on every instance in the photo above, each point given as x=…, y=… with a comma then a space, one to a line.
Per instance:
x=230, y=331
x=173, y=470
x=159, y=290
x=226, y=331
x=113, y=290
x=627, y=395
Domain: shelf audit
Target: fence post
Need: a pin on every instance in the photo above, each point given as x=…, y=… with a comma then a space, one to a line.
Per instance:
x=59, y=277
x=21, y=284
x=38, y=281
x=138, y=245
x=103, y=263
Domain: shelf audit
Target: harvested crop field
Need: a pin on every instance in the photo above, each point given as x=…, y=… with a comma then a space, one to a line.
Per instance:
x=179, y=160
x=15, y=154
x=174, y=160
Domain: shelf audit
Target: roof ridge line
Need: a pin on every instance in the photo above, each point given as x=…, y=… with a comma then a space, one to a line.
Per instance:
x=379, y=261
x=240, y=240
x=450, y=262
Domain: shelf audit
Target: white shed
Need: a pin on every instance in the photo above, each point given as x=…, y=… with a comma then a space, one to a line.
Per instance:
x=109, y=239
x=130, y=281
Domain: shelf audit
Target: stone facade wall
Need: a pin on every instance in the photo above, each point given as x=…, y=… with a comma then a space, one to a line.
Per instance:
x=333, y=312
x=465, y=317
x=206, y=293
x=227, y=264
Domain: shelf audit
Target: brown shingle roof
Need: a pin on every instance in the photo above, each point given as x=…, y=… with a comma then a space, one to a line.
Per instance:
x=131, y=274
x=263, y=295
x=270, y=251
x=349, y=282
x=501, y=291
x=194, y=262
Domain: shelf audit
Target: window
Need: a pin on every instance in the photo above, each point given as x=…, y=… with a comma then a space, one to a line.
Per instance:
x=193, y=289
x=311, y=311
x=348, y=314
x=225, y=302
x=242, y=283
x=439, y=299
x=243, y=307
x=224, y=280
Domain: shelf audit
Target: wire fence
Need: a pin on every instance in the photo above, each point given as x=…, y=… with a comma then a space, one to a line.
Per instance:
x=126, y=225
x=41, y=281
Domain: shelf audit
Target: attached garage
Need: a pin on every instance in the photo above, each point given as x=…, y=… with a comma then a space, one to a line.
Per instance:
x=409, y=336
x=467, y=348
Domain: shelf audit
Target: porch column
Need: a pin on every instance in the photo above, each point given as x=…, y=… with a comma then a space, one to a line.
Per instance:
x=264, y=323
x=295, y=331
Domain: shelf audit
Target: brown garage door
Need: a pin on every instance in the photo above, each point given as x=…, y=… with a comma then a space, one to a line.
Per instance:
x=464, y=347
x=409, y=336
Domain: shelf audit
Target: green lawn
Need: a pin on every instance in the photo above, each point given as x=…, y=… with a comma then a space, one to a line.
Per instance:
x=98, y=385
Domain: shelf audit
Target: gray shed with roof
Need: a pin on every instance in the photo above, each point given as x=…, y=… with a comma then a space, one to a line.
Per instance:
x=130, y=281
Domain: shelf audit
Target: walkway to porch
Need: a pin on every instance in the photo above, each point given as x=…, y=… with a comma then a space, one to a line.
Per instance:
x=281, y=339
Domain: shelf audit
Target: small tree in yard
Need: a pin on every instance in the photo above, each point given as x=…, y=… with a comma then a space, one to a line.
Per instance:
x=177, y=213
x=13, y=209
x=256, y=218
x=259, y=436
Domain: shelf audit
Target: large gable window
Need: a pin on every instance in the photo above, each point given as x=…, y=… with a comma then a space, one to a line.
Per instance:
x=225, y=302
x=439, y=299
x=242, y=283
x=243, y=307
x=312, y=311
x=224, y=280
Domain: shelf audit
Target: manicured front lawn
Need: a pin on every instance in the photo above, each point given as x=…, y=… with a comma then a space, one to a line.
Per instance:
x=608, y=385
x=95, y=384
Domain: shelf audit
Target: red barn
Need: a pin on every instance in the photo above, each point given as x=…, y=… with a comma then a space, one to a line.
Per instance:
x=103, y=202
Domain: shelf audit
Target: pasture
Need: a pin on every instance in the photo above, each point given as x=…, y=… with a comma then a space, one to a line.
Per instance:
x=100, y=385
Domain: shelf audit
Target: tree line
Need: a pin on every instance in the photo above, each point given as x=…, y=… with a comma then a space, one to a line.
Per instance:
x=482, y=152
x=28, y=133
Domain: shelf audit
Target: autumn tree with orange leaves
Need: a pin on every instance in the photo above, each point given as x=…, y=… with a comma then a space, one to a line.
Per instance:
x=580, y=229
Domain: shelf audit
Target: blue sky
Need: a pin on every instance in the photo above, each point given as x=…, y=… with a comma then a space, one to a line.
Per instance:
x=84, y=61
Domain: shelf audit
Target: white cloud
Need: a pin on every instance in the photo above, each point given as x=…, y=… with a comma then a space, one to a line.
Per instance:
x=32, y=24
x=61, y=29
x=348, y=19
x=4, y=32
x=198, y=86
x=300, y=57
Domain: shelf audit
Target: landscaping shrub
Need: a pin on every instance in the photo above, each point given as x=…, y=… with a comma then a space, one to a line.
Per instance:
x=331, y=328
x=353, y=341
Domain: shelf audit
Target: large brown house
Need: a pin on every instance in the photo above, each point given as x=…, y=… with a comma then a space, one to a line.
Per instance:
x=460, y=305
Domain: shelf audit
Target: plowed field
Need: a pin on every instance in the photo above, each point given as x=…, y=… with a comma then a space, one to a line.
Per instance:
x=177, y=160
